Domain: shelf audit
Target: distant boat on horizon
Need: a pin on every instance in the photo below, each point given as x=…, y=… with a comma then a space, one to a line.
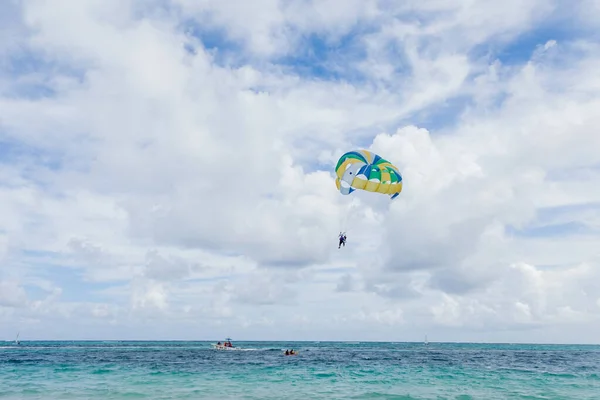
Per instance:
x=225, y=346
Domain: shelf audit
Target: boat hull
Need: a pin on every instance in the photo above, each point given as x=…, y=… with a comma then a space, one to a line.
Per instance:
x=221, y=347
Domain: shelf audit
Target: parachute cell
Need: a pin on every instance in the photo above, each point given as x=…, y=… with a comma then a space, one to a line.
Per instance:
x=362, y=169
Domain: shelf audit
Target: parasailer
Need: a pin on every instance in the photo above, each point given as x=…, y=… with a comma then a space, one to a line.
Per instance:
x=362, y=169
x=365, y=170
x=342, y=239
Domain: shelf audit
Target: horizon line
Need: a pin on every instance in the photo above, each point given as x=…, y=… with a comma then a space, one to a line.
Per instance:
x=302, y=341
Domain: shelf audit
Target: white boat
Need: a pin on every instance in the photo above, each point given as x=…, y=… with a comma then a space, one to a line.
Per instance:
x=221, y=347
x=226, y=345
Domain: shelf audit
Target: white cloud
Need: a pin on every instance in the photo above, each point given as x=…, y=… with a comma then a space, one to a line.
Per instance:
x=161, y=186
x=12, y=295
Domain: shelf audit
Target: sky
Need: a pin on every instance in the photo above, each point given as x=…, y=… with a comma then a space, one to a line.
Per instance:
x=167, y=170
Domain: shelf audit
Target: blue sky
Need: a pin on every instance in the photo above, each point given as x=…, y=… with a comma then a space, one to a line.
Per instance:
x=171, y=163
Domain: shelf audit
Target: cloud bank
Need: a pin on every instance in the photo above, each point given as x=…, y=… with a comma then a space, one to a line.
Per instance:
x=166, y=170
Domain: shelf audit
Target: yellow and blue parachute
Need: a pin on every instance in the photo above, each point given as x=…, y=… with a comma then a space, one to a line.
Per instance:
x=362, y=169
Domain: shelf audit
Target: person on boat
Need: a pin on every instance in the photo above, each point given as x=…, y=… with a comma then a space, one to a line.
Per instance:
x=287, y=352
x=342, y=240
x=219, y=343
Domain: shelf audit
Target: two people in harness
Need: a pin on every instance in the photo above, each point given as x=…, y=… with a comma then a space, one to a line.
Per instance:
x=342, y=238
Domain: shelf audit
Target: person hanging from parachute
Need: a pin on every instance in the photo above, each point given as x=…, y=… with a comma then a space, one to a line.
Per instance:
x=342, y=239
x=364, y=170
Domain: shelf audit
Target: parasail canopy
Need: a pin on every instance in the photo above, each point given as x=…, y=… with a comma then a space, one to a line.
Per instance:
x=364, y=170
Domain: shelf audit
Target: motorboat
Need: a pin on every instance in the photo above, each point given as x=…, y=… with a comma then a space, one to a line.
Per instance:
x=226, y=345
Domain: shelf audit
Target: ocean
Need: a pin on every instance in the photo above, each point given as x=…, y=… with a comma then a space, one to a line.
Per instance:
x=321, y=370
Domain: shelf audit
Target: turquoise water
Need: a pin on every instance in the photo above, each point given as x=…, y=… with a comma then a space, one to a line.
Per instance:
x=193, y=370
